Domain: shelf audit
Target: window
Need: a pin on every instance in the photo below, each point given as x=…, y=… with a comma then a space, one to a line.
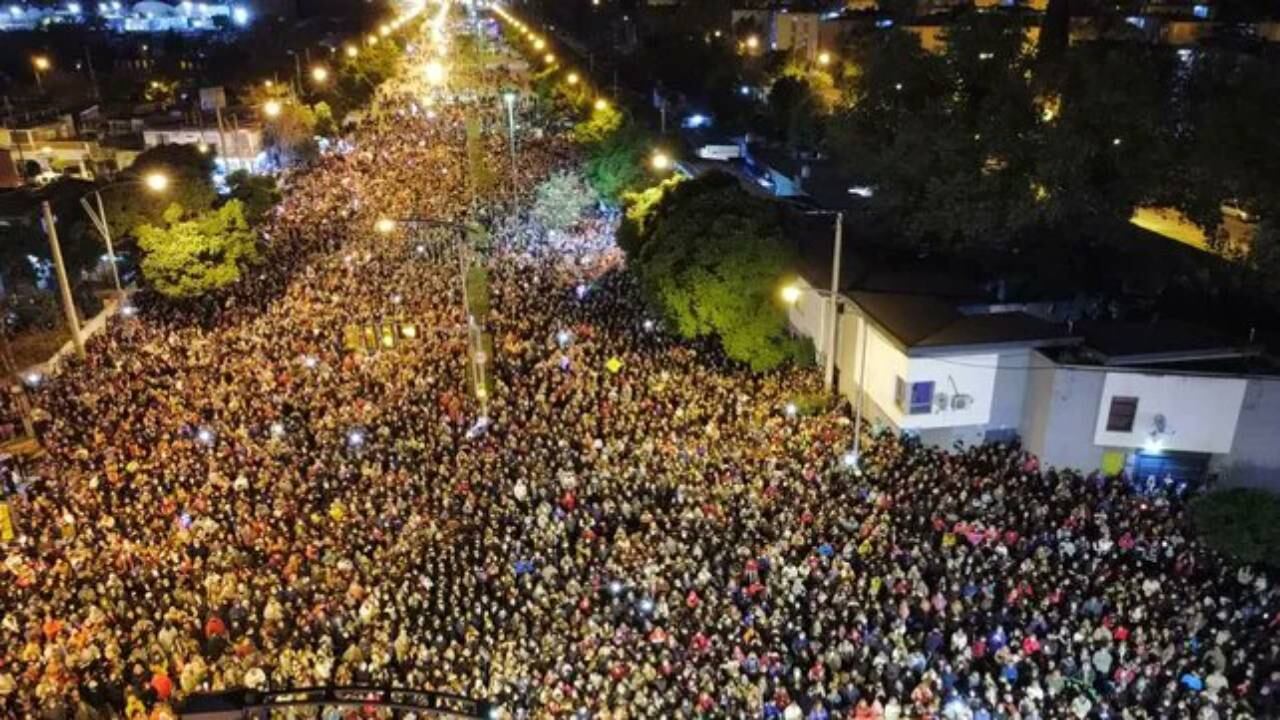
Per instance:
x=921, y=398
x=913, y=398
x=1123, y=411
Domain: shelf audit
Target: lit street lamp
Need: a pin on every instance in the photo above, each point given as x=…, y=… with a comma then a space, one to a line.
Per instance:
x=572, y=78
x=385, y=226
x=272, y=108
x=41, y=65
x=660, y=161
x=824, y=58
x=156, y=182
x=509, y=99
x=601, y=104
x=319, y=74
x=790, y=294
x=435, y=73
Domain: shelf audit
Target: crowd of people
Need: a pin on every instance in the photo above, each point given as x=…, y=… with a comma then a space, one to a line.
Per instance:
x=636, y=529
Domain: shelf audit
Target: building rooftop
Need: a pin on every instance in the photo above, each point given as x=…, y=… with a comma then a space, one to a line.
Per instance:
x=929, y=322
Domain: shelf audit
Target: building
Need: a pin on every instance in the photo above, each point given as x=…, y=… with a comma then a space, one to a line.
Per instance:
x=1152, y=399
x=241, y=144
x=57, y=148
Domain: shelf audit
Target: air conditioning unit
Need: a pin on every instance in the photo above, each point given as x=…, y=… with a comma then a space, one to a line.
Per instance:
x=961, y=402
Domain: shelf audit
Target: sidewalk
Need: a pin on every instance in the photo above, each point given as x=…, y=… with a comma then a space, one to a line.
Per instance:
x=87, y=330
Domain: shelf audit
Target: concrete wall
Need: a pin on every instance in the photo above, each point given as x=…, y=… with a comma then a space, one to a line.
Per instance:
x=1200, y=412
x=1255, y=452
x=1061, y=413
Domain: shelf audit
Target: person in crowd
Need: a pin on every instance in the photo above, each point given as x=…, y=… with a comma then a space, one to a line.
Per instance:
x=233, y=498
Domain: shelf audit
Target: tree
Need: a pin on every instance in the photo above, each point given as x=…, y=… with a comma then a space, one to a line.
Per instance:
x=561, y=200
x=1241, y=523
x=190, y=174
x=794, y=112
x=325, y=123
x=258, y=193
x=616, y=164
x=292, y=133
x=190, y=258
x=711, y=257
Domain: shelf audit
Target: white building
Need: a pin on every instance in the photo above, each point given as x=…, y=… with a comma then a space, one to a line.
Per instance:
x=243, y=144
x=1151, y=399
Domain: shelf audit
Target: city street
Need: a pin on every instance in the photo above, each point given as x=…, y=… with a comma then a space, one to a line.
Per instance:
x=615, y=524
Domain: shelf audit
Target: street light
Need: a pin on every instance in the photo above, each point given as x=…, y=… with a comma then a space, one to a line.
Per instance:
x=601, y=104
x=509, y=98
x=352, y=51
x=753, y=42
x=824, y=58
x=272, y=108
x=539, y=44
x=790, y=294
x=660, y=161
x=435, y=73
x=41, y=65
x=155, y=181
x=385, y=226
x=572, y=78
x=549, y=58
x=319, y=73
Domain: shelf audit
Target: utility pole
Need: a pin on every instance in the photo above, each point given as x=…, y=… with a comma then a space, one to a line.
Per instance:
x=830, y=375
x=68, y=303
x=222, y=139
x=93, y=77
x=509, y=98
x=100, y=220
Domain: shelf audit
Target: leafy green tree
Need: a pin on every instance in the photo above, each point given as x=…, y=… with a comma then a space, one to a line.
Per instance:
x=325, y=123
x=258, y=193
x=291, y=134
x=561, y=200
x=616, y=165
x=189, y=258
x=794, y=111
x=1243, y=524
x=190, y=174
x=710, y=257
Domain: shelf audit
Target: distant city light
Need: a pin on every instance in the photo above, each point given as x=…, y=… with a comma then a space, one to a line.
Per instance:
x=240, y=15
x=697, y=120
x=73, y=8
x=862, y=191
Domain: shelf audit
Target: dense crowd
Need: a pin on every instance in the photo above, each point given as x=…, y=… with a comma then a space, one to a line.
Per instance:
x=637, y=529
